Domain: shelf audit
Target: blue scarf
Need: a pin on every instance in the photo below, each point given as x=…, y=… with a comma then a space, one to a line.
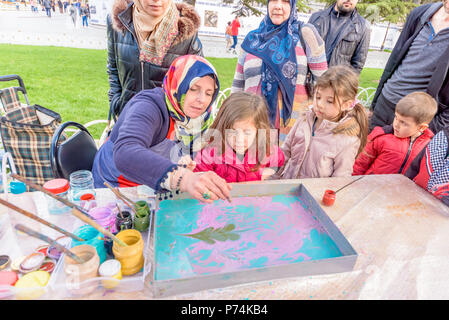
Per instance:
x=275, y=45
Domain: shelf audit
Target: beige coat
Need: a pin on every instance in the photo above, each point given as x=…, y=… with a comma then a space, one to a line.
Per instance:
x=324, y=155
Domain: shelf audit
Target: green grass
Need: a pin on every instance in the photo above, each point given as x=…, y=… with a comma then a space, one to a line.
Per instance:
x=74, y=82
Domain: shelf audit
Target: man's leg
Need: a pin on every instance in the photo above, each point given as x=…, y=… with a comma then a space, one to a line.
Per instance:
x=383, y=113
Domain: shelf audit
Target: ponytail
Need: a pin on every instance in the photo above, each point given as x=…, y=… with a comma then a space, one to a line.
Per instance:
x=356, y=125
x=361, y=117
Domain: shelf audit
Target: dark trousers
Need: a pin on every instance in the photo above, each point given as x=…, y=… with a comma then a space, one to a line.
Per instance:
x=235, y=42
x=48, y=10
x=383, y=113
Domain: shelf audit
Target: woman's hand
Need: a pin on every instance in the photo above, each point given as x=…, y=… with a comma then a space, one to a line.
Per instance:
x=266, y=173
x=206, y=186
x=186, y=160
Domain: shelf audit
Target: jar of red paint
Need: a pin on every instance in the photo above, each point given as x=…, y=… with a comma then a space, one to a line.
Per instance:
x=329, y=197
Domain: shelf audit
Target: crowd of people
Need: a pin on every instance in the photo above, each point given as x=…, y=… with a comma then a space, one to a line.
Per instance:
x=292, y=112
x=75, y=9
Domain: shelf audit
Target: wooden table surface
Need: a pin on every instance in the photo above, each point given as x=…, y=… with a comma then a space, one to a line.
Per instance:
x=399, y=231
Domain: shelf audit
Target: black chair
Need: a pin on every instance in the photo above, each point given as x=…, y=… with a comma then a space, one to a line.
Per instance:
x=76, y=153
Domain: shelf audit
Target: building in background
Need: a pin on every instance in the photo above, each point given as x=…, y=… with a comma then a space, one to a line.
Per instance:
x=215, y=15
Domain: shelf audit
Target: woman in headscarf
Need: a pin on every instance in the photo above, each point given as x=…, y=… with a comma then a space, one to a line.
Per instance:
x=274, y=63
x=158, y=127
x=144, y=37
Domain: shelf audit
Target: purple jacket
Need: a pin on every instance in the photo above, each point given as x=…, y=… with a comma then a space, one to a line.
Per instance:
x=137, y=149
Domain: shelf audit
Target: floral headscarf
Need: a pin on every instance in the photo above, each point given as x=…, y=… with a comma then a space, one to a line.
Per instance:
x=183, y=73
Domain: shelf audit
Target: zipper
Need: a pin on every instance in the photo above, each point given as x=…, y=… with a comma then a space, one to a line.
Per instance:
x=408, y=154
x=141, y=67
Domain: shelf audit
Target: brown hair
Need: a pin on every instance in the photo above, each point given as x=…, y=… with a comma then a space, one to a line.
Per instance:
x=241, y=106
x=345, y=84
x=420, y=106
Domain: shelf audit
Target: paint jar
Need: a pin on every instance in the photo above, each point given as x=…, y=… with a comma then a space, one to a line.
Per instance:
x=329, y=197
x=142, y=208
x=78, y=273
x=81, y=182
x=92, y=237
x=88, y=201
x=142, y=217
x=111, y=269
x=32, y=285
x=53, y=252
x=59, y=187
x=124, y=223
x=130, y=256
x=105, y=217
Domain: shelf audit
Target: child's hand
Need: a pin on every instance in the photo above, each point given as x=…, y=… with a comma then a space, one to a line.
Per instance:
x=186, y=160
x=266, y=173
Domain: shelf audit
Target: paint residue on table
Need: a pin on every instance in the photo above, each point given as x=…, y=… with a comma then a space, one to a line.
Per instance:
x=194, y=238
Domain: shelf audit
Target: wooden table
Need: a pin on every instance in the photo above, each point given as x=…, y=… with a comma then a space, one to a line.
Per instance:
x=399, y=231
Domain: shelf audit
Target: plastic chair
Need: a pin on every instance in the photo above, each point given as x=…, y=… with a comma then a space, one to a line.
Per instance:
x=75, y=153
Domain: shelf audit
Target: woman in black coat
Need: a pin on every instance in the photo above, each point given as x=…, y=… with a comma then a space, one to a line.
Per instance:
x=144, y=37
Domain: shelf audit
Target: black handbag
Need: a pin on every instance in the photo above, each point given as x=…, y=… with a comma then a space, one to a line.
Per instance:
x=310, y=79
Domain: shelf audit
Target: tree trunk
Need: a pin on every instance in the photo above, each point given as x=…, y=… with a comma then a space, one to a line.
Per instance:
x=385, y=38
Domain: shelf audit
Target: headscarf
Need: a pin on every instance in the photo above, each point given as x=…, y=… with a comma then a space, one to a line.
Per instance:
x=155, y=35
x=182, y=74
x=275, y=45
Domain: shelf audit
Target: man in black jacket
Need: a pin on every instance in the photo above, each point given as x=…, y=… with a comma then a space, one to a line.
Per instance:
x=345, y=32
x=419, y=62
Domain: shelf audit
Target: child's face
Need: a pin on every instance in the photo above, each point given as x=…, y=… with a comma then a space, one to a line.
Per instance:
x=405, y=127
x=242, y=136
x=325, y=105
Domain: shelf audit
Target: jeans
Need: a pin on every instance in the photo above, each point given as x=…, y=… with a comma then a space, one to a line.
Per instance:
x=85, y=21
x=48, y=10
x=235, y=42
x=383, y=113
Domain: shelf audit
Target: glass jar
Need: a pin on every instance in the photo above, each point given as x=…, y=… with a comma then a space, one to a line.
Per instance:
x=81, y=182
x=59, y=187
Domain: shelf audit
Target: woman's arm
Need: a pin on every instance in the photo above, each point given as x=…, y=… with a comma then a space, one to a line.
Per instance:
x=239, y=78
x=138, y=132
x=115, y=88
x=315, y=50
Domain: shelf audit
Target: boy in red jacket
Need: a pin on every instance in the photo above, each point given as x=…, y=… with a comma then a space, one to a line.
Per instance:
x=392, y=148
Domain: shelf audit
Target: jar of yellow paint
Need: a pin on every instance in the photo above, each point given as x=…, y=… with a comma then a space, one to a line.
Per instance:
x=111, y=269
x=130, y=256
x=31, y=285
x=79, y=275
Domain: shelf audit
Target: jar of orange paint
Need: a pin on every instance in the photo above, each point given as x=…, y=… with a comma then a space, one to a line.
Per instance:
x=329, y=197
x=131, y=256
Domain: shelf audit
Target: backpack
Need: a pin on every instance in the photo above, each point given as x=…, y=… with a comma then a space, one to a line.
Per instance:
x=430, y=169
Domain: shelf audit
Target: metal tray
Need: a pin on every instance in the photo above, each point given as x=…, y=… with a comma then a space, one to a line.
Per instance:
x=343, y=263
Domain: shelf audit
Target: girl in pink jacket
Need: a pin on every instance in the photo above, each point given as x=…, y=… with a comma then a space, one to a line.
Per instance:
x=242, y=146
x=326, y=139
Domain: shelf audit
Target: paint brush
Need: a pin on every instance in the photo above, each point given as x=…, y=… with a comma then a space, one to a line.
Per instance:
x=349, y=183
x=119, y=211
x=43, y=237
x=102, y=230
x=119, y=195
x=76, y=210
x=34, y=217
x=52, y=195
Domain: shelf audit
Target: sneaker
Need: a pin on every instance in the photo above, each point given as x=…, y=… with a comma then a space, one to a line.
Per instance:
x=234, y=52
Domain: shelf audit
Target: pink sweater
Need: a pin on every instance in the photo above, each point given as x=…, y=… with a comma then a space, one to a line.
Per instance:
x=231, y=168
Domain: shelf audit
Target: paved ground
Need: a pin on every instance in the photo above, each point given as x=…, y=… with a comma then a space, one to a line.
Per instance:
x=26, y=27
